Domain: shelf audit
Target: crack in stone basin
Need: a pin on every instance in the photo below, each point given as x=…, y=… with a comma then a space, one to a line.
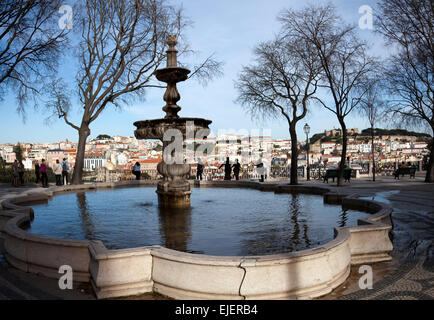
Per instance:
x=229, y=222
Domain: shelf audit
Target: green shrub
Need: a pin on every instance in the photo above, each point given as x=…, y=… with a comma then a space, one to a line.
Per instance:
x=29, y=175
x=145, y=175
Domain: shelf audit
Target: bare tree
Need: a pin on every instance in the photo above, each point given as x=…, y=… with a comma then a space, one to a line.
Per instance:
x=408, y=24
x=371, y=106
x=280, y=84
x=30, y=43
x=343, y=59
x=122, y=44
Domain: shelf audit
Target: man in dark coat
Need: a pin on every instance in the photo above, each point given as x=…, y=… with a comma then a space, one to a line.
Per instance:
x=228, y=169
x=237, y=168
x=37, y=172
x=199, y=170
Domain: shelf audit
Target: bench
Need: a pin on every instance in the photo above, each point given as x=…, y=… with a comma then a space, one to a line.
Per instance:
x=403, y=171
x=333, y=173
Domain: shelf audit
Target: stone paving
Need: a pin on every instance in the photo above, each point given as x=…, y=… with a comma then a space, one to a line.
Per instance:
x=412, y=281
x=410, y=275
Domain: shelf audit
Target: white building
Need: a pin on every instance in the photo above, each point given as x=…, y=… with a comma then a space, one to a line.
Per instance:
x=28, y=164
x=121, y=159
x=94, y=160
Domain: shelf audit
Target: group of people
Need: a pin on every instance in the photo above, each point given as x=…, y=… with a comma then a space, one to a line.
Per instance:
x=41, y=173
x=18, y=173
x=60, y=170
x=228, y=169
x=405, y=165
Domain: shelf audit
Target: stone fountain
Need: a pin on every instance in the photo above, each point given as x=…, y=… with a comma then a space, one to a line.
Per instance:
x=174, y=189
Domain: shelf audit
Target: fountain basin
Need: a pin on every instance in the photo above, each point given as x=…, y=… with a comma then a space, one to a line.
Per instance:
x=154, y=129
x=221, y=221
x=172, y=74
x=301, y=274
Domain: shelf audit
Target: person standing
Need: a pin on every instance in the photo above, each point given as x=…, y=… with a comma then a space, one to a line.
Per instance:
x=136, y=170
x=188, y=174
x=57, y=169
x=21, y=172
x=65, y=171
x=199, y=169
x=44, y=177
x=37, y=172
x=15, y=173
x=228, y=169
x=260, y=169
x=237, y=168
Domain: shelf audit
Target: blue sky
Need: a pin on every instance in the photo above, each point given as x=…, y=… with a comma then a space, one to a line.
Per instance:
x=228, y=28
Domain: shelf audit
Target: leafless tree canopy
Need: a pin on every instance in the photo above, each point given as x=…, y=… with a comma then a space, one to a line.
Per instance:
x=372, y=107
x=30, y=43
x=343, y=58
x=409, y=25
x=122, y=44
x=411, y=98
x=280, y=83
x=373, y=103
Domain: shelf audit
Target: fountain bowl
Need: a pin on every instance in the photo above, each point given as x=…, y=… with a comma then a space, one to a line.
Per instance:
x=154, y=129
x=172, y=74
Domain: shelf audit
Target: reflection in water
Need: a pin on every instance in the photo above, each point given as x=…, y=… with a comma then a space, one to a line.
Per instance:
x=343, y=217
x=295, y=211
x=175, y=227
x=220, y=222
x=291, y=233
x=305, y=236
x=85, y=215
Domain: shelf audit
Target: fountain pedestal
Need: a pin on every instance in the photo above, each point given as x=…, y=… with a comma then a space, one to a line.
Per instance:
x=174, y=189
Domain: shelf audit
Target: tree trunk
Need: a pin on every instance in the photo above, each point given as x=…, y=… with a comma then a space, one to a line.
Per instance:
x=294, y=155
x=430, y=165
x=344, y=152
x=373, y=153
x=83, y=133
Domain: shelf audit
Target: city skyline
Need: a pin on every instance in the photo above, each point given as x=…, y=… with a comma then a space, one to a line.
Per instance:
x=252, y=132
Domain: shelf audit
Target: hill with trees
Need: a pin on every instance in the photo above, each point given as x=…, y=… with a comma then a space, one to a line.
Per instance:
x=393, y=132
x=367, y=133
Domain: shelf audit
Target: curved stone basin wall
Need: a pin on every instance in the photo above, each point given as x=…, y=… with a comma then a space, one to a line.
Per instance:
x=113, y=273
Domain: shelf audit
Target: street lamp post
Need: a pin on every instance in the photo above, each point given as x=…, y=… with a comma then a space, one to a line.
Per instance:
x=307, y=130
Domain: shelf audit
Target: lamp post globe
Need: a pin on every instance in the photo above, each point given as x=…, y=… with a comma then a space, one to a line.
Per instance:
x=306, y=129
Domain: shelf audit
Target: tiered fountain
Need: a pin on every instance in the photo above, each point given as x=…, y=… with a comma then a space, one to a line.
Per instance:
x=174, y=189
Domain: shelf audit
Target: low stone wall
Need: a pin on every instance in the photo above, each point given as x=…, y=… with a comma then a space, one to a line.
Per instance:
x=117, y=273
x=43, y=255
x=114, y=273
x=192, y=276
x=304, y=274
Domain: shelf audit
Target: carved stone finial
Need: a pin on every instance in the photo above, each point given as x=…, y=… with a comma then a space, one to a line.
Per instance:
x=171, y=53
x=172, y=41
x=172, y=74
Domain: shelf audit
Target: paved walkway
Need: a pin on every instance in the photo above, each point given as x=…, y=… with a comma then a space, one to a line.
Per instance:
x=410, y=275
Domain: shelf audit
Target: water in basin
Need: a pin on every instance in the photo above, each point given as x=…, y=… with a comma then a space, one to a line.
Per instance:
x=221, y=221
